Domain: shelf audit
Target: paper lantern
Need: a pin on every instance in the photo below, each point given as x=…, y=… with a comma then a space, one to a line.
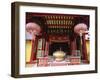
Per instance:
x=80, y=28
x=32, y=29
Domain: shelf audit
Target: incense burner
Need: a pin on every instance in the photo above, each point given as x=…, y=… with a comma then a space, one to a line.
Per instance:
x=59, y=55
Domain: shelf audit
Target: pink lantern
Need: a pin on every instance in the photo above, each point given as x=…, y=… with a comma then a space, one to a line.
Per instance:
x=32, y=29
x=80, y=28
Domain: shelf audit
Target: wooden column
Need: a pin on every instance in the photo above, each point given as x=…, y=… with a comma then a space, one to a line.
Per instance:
x=84, y=50
x=34, y=50
x=47, y=49
x=73, y=47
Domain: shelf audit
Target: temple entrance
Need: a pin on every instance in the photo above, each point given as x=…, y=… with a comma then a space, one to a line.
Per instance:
x=55, y=46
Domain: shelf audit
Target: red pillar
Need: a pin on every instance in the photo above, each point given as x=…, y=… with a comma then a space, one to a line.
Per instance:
x=33, y=51
x=73, y=47
x=84, y=50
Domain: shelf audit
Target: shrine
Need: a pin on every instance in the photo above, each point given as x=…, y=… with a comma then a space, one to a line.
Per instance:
x=58, y=34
